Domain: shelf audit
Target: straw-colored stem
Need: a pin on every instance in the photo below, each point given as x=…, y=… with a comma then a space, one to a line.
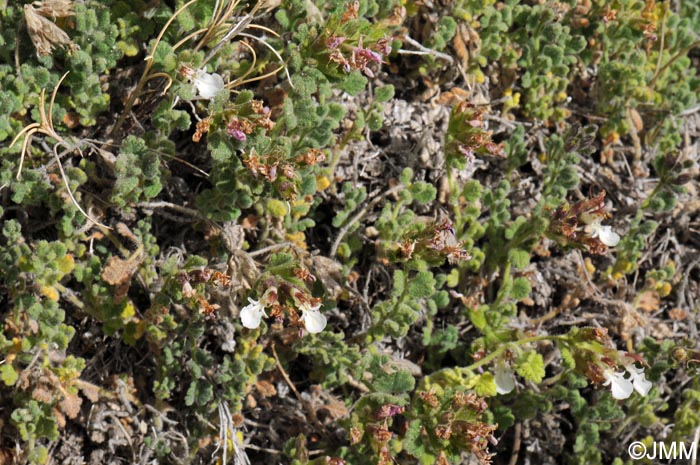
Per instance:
x=147, y=69
x=66, y=181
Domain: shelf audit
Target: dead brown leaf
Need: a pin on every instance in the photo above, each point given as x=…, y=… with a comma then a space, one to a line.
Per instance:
x=55, y=8
x=635, y=119
x=677, y=314
x=70, y=405
x=60, y=417
x=118, y=271
x=453, y=96
x=44, y=34
x=442, y=459
x=661, y=331
x=327, y=406
x=648, y=301
x=71, y=119
x=265, y=388
x=42, y=395
x=631, y=320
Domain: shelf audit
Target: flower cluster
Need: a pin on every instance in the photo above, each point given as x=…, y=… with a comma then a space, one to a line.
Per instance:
x=476, y=138
x=462, y=423
x=435, y=243
x=268, y=166
x=311, y=157
x=469, y=137
x=594, y=230
x=206, y=276
x=445, y=241
x=239, y=127
x=581, y=224
x=623, y=387
x=590, y=349
x=313, y=320
x=360, y=57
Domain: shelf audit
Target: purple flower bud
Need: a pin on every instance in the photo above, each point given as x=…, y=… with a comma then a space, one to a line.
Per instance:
x=368, y=54
x=467, y=152
x=334, y=42
x=236, y=133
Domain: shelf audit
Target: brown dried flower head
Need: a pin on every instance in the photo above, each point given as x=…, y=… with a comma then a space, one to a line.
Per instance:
x=429, y=398
x=351, y=12
x=477, y=435
x=569, y=222
x=476, y=403
x=355, y=435
x=311, y=157
x=443, y=432
x=202, y=128
x=389, y=410
x=381, y=435
x=304, y=275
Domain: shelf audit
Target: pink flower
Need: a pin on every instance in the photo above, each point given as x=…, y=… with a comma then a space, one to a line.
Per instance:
x=236, y=133
x=334, y=42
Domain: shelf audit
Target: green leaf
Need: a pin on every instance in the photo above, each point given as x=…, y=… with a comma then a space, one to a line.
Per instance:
x=398, y=382
x=423, y=285
x=413, y=442
x=280, y=259
x=354, y=83
x=406, y=176
x=276, y=208
x=282, y=18
x=478, y=318
x=399, y=283
x=472, y=190
x=8, y=374
x=375, y=121
x=191, y=395
x=521, y=288
x=165, y=56
x=453, y=278
x=530, y=365
x=648, y=227
x=423, y=192
x=503, y=416
x=567, y=358
x=485, y=385
x=384, y=93
x=518, y=258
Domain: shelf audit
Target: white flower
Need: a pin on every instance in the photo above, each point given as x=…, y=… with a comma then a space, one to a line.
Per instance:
x=621, y=388
x=313, y=320
x=605, y=233
x=208, y=85
x=252, y=313
x=641, y=384
x=505, y=380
